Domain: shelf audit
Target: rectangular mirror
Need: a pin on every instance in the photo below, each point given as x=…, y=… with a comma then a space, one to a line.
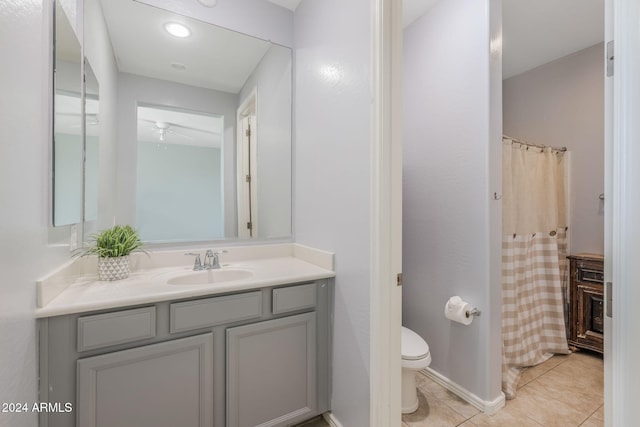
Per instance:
x=67, y=122
x=176, y=177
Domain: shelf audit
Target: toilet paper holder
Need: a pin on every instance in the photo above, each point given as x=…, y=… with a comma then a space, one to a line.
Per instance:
x=474, y=312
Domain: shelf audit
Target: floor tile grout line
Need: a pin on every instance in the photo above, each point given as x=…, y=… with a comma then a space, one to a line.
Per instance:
x=444, y=402
x=591, y=415
x=579, y=423
x=546, y=371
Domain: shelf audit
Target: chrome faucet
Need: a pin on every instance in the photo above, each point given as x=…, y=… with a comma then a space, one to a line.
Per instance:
x=211, y=260
x=197, y=264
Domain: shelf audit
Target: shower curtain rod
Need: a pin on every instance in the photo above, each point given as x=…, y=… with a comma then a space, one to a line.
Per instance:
x=528, y=144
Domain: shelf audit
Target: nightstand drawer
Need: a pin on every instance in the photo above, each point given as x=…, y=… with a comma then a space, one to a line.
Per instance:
x=589, y=275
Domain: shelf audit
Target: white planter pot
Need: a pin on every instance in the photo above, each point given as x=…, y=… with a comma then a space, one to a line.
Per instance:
x=113, y=268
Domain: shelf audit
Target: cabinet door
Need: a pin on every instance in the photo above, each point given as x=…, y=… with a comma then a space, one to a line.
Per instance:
x=590, y=326
x=271, y=371
x=161, y=385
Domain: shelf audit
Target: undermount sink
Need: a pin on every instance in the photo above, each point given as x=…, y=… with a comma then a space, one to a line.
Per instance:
x=207, y=277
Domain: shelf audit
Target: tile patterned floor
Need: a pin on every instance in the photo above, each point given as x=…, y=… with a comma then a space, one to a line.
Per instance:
x=565, y=391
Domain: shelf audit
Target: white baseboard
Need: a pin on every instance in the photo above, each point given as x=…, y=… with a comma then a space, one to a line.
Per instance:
x=331, y=419
x=486, y=406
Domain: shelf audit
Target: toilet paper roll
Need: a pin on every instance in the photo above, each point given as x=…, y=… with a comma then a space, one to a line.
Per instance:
x=456, y=309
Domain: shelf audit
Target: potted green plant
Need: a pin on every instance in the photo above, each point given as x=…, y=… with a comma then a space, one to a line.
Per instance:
x=113, y=246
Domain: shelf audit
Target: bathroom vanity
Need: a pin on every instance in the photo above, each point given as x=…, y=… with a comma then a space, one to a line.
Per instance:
x=586, y=295
x=259, y=355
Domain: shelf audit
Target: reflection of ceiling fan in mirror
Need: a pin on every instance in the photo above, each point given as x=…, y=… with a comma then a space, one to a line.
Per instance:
x=163, y=129
x=170, y=132
x=173, y=127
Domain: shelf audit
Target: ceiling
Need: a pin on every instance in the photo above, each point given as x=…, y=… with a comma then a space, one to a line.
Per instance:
x=142, y=46
x=536, y=32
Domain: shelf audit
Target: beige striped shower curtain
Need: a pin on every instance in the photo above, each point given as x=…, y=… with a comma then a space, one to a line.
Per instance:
x=534, y=250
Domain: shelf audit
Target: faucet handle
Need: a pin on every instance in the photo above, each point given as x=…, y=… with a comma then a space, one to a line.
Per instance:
x=216, y=259
x=211, y=259
x=197, y=264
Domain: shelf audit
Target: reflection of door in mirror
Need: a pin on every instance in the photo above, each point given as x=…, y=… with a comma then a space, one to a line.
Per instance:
x=179, y=175
x=246, y=151
x=67, y=123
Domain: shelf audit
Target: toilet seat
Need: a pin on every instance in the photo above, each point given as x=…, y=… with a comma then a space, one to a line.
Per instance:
x=413, y=346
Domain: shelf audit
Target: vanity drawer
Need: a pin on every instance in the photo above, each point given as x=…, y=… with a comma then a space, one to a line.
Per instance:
x=294, y=298
x=202, y=313
x=103, y=330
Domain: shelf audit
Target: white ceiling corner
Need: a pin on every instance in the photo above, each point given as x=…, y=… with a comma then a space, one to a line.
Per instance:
x=289, y=4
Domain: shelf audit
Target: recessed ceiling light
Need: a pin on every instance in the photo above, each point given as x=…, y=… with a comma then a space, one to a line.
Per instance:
x=208, y=3
x=177, y=30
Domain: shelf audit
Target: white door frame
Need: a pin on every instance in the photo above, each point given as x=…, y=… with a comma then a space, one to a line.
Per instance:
x=608, y=191
x=623, y=228
x=386, y=214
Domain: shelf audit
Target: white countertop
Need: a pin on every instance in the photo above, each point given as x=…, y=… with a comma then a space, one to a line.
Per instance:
x=71, y=290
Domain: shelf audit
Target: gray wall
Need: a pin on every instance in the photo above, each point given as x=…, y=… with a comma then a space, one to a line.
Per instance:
x=24, y=196
x=332, y=177
x=562, y=104
x=451, y=224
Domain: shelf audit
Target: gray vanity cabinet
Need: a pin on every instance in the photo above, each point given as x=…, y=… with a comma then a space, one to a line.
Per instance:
x=248, y=358
x=271, y=371
x=160, y=385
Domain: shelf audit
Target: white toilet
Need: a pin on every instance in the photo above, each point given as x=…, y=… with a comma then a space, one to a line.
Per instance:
x=415, y=356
